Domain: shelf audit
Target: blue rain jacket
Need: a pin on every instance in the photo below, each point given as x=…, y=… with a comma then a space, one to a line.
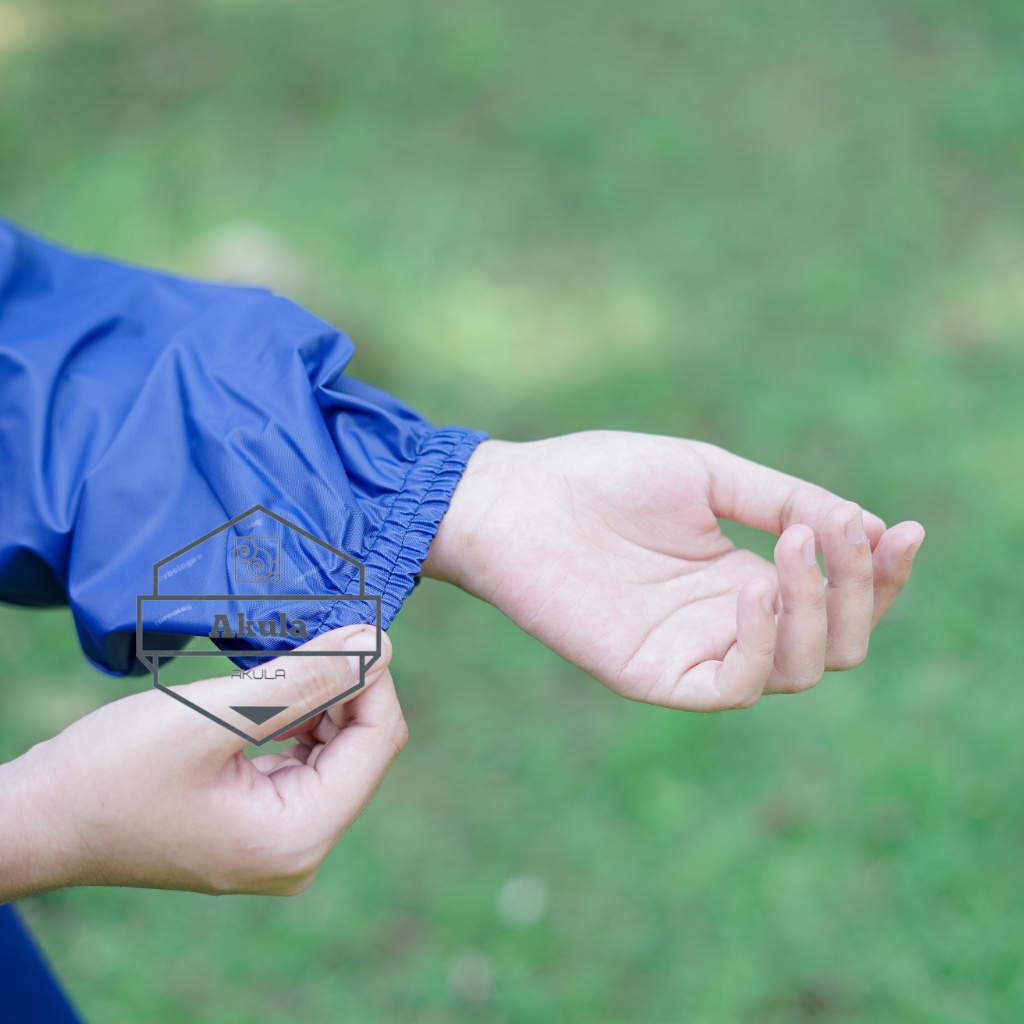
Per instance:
x=139, y=410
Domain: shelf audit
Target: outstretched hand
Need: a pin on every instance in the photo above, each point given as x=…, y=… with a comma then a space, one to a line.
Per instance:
x=606, y=547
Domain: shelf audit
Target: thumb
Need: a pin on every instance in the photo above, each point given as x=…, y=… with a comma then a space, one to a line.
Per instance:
x=351, y=765
x=259, y=704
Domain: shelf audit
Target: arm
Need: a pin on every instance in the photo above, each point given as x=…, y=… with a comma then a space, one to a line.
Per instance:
x=142, y=410
x=603, y=545
x=606, y=547
x=37, y=845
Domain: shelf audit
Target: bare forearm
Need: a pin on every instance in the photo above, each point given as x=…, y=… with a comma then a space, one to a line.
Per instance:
x=37, y=848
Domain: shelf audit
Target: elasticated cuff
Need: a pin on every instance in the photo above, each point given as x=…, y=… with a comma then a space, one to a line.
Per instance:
x=398, y=550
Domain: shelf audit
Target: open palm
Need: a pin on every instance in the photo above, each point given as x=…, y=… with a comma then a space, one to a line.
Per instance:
x=606, y=547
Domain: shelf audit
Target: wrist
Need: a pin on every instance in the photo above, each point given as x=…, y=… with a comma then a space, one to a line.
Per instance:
x=454, y=555
x=39, y=845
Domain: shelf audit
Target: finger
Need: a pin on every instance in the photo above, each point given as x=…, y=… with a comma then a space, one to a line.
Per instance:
x=308, y=684
x=351, y=765
x=269, y=763
x=313, y=754
x=298, y=752
x=766, y=499
x=739, y=678
x=319, y=729
x=802, y=627
x=849, y=593
x=893, y=561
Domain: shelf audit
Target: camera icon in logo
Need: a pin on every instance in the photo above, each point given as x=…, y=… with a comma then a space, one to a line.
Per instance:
x=257, y=559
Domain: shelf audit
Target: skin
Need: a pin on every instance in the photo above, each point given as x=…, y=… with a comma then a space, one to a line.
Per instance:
x=603, y=545
x=161, y=797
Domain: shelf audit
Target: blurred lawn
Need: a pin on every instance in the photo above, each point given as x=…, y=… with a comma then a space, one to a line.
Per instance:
x=793, y=229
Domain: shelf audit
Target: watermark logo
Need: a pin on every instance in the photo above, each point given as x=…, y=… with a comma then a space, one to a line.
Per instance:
x=245, y=588
x=257, y=559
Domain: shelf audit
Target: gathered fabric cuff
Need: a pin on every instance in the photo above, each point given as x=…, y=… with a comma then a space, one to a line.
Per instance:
x=147, y=423
x=400, y=546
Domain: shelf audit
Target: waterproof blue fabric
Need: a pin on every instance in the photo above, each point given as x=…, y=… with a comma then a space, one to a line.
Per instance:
x=139, y=410
x=29, y=994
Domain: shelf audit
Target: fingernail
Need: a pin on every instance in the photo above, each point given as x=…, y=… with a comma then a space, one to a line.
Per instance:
x=365, y=641
x=807, y=553
x=855, y=530
x=913, y=551
x=768, y=601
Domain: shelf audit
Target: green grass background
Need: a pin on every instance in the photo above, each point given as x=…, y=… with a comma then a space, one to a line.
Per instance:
x=793, y=229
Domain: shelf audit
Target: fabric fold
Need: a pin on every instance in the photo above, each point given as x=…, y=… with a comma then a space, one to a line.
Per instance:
x=140, y=411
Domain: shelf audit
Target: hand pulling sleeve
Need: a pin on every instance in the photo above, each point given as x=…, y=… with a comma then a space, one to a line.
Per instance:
x=139, y=411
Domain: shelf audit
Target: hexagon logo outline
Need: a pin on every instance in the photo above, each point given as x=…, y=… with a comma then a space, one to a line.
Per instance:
x=150, y=657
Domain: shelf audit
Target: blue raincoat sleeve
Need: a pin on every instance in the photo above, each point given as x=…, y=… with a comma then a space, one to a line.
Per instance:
x=139, y=411
x=29, y=991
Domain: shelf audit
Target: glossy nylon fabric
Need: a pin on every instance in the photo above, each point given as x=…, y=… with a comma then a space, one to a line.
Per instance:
x=139, y=411
x=29, y=994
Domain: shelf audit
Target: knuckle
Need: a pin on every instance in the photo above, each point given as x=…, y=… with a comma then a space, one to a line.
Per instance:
x=736, y=694
x=295, y=873
x=795, y=679
x=292, y=885
x=399, y=735
x=858, y=581
x=807, y=680
x=787, y=512
x=213, y=885
x=861, y=580
x=849, y=656
x=762, y=649
x=261, y=857
x=298, y=887
x=261, y=864
x=743, y=701
x=843, y=511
